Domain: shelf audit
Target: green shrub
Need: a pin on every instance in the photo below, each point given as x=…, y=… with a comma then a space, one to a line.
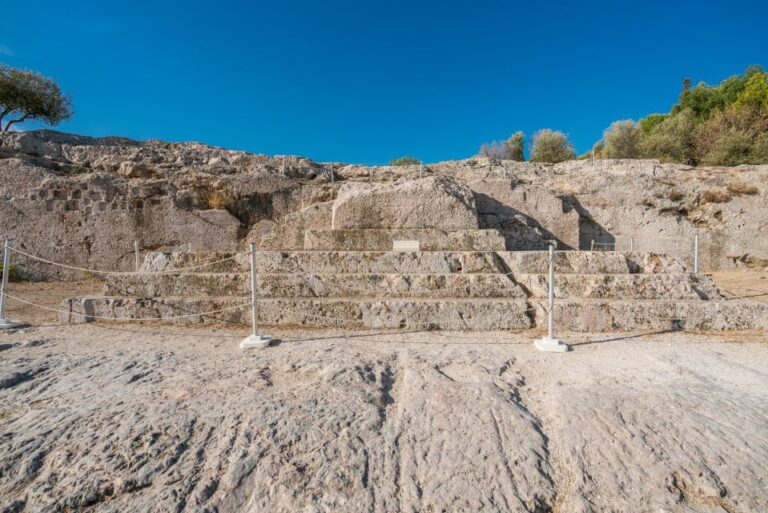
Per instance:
x=14, y=273
x=551, y=146
x=672, y=139
x=622, y=140
x=404, y=161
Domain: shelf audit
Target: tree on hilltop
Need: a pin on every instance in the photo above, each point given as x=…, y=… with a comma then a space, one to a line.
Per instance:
x=26, y=95
x=404, y=161
x=511, y=149
x=551, y=146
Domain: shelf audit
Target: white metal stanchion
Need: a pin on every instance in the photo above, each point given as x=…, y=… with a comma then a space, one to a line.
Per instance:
x=4, y=322
x=549, y=343
x=254, y=340
x=696, y=253
x=631, y=243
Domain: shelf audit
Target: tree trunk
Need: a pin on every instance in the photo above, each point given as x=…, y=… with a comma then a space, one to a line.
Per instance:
x=12, y=121
x=2, y=115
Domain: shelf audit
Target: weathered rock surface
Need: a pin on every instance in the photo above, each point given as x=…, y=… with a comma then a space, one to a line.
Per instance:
x=430, y=239
x=431, y=202
x=181, y=420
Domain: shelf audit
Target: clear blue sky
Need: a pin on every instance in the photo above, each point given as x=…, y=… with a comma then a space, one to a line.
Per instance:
x=370, y=81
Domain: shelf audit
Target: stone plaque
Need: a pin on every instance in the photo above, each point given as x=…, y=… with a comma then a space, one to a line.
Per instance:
x=405, y=245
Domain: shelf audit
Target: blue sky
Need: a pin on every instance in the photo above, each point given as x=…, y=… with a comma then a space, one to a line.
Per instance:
x=370, y=81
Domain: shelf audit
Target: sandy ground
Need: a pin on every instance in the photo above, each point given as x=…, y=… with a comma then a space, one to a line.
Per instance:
x=122, y=418
x=743, y=283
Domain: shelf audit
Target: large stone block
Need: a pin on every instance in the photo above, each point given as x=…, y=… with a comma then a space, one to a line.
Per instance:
x=431, y=202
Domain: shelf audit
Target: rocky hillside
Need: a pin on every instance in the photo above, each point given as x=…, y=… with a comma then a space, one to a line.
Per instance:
x=84, y=200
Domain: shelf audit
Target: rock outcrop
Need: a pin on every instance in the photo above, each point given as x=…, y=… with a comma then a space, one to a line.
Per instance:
x=83, y=201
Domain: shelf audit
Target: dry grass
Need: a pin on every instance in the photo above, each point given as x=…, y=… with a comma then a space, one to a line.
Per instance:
x=217, y=200
x=675, y=196
x=713, y=196
x=742, y=189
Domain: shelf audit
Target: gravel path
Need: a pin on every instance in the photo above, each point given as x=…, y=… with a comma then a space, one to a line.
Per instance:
x=119, y=419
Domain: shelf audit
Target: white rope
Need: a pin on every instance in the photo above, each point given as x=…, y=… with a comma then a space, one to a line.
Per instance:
x=124, y=273
x=137, y=319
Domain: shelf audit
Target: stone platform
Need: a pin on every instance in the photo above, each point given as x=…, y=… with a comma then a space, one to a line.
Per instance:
x=452, y=290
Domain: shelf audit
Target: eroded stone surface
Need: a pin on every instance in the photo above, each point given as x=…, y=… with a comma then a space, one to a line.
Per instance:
x=181, y=420
x=431, y=202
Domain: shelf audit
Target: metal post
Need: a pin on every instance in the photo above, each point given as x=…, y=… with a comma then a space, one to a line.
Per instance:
x=696, y=253
x=254, y=340
x=551, y=282
x=332, y=178
x=550, y=343
x=631, y=243
x=5, y=323
x=592, y=245
x=136, y=254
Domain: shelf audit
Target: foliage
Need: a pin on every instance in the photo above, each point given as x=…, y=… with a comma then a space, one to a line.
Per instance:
x=730, y=137
x=511, y=149
x=14, y=273
x=26, y=95
x=755, y=93
x=551, y=146
x=404, y=161
x=671, y=140
x=622, y=140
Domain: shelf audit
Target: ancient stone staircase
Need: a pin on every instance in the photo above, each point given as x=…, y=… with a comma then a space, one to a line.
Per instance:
x=332, y=264
x=451, y=290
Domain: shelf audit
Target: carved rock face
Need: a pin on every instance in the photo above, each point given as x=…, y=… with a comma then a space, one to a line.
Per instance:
x=431, y=202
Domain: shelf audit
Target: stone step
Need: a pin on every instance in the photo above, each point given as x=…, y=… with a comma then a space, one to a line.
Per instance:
x=388, y=286
x=382, y=240
x=191, y=284
x=578, y=315
x=622, y=286
x=474, y=285
x=594, y=262
x=471, y=314
x=635, y=315
x=202, y=262
x=390, y=262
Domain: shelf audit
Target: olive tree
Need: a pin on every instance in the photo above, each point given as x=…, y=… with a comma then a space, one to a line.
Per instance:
x=622, y=140
x=551, y=146
x=26, y=95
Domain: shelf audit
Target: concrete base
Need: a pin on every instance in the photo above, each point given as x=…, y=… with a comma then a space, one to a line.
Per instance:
x=550, y=345
x=7, y=324
x=255, y=341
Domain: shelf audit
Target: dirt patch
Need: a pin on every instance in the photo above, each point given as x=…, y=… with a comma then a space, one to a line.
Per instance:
x=743, y=283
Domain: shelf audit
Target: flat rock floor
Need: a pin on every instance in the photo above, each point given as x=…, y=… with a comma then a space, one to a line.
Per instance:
x=121, y=418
